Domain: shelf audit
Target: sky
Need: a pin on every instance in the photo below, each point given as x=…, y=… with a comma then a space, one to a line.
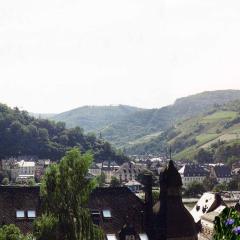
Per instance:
x=56, y=55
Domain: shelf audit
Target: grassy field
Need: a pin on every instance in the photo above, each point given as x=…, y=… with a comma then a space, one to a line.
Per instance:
x=204, y=138
x=225, y=137
x=145, y=138
x=221, y=115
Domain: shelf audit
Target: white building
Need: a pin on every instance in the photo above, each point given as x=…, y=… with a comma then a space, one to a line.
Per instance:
x=192, y=173
x=23, y=170
x=221, y=173
x=95, y=170
x=129, y=171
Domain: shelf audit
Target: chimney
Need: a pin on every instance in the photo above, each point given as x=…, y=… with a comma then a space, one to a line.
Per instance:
x=148, y=215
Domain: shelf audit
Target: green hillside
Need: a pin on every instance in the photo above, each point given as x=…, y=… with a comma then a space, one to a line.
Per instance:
x=132, y=128
x=22, y=134
x=94, y=118
x=143, y=124
x=219, y=126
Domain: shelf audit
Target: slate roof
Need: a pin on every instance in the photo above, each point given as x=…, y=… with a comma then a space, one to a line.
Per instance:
x=193, y=170
x=222, y=171
x=13, y=198
x=122, y=204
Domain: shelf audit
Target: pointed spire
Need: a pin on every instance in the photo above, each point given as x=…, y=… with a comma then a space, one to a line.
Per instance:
x=170, y=152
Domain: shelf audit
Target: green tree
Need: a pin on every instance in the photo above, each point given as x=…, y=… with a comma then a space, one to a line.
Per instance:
x=31, y=182
x=65, y=190
x=209, y=183
x=11, y=232
x=194, y=189
x=204, y=156
x=115, y=182
x=234, y=185
x=221, y=187
x=155, y=196
x=101, y=179
x=5, y=181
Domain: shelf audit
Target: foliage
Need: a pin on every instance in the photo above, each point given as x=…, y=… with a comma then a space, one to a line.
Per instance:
x=46, y=227
x=65, y=190
x=234, y=185
x=5, y=181
x=155, y=196
x=227, y=225
x=22, y=134
x=94, y=118
x=209, y=183
x=204, y=156
x=11, y=232
x=115, y=182
x=31, y=182
x=101, y=179
x=194, y=189
x=220, y=187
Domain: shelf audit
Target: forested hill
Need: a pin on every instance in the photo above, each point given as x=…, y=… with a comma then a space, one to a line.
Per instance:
x=213, y=136
x=126, y=126
x=94, y=118
x=22, y=134
x=142, y=126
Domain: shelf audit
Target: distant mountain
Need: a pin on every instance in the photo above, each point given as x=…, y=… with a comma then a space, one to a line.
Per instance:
x=130, y=127
x=42, y=115
x=144, y=125
x=94, y=118
x=217, y=131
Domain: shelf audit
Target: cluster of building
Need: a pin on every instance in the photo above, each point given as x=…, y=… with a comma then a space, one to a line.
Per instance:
x=127, y=173
x=197, y=173
x=20, y=170
x=118, y=211
x=122, y=215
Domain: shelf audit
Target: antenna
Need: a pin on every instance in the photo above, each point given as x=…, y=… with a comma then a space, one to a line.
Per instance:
x=170, y=153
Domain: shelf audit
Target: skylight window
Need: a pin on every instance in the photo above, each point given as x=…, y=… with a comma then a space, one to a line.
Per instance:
x=20, y=214
x=107, y=213
x=143, y=236
x=111, y=237
x=31, y=214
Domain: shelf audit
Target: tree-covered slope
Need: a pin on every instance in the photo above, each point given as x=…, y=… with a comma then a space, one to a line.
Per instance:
x=217, y=127
x=94, y=118
x=22, y=134
x=145, y=123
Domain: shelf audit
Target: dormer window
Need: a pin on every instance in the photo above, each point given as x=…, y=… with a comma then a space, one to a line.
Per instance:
x=31, y=214
x=20, y=214
x=107, y=213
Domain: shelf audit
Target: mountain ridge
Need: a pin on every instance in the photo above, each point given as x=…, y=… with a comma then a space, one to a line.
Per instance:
x=123, y=128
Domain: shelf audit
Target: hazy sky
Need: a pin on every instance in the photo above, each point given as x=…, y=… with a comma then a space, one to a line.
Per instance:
x=58, y=55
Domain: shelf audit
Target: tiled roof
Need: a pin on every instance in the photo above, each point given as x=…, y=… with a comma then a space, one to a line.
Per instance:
x=122, y=204
x=13, y=198
x=222, y=171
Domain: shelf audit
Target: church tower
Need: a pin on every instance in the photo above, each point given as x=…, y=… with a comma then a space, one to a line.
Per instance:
x=171, y=219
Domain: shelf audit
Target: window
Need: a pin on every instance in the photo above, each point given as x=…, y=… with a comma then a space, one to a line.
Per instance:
x=20, y=214
x=107, y=213
x=96, y=217
x=31, y=214
x=143, y=236
x=111, y=237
